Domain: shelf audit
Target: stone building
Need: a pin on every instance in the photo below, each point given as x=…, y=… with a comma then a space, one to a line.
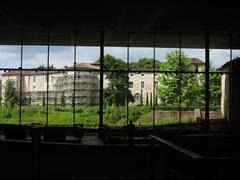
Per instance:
x=61, y=85
x=87, y=84
x=230, y=100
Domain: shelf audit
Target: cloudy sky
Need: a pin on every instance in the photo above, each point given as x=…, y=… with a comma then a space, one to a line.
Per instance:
x=61, y=56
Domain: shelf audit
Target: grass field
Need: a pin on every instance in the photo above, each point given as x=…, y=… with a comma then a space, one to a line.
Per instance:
x=88, y=116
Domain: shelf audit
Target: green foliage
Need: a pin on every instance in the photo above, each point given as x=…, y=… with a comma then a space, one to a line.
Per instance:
x=91, y=110
x=11, y=95
x=115, y=93
x=114, y=115
x=78, y=109
x=145, y=63
x=215, y=87
x=7, y=115
x=43, y=67
x=172, y=86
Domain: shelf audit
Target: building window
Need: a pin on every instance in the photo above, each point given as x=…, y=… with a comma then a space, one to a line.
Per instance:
x=142, y=84
x=131, y=74
x=142, y=74
x=130, y=85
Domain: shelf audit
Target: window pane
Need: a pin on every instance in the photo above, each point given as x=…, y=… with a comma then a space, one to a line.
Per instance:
x=34, y=97
x=167, y=87
x=35, y=56
x=218, y=92
x=115, y=98
x=10, y=83
x=193, y=52
x=10, y=56
x=141, y=63
x=192, y=98
x=117, y=55
x=219, y=53
x=167, y=99
x=87, y=100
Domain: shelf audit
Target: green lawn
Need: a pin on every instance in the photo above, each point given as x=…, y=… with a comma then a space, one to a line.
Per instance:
x=88, y=116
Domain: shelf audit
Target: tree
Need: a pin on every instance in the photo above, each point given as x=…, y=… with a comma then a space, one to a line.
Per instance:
x=145, y=63
x=11, y=95
x=147, y=101
x=43, y=67
x=115, y=93
x=215, y=87
x=150, y=99
x=172, y=86
x=141, y=98
x=63, y=99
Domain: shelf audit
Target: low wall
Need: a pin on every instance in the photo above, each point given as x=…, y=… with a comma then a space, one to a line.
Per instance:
x=188, y=115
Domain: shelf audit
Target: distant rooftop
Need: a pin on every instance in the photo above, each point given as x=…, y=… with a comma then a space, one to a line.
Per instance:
x=81, y=66
x=197, y=61
x=235, y=63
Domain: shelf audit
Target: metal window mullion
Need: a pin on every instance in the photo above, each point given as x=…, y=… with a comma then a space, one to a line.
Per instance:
x=230, y=77
x=128, y=43
x=74, y=79
x=154, y=72
x=20, y=81
x=207, y=91
x=101, y=79
x=180, y=80
x=48, y=51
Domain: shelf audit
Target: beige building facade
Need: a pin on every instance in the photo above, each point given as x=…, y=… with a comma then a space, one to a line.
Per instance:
x=87, y=85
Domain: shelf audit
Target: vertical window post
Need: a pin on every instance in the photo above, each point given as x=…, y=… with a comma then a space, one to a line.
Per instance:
x=154, y=74
x=230, y=80
x=207, y=94
x=128, y=36
x=180, y=80
x=48, y=50
x=20, y=82
x=101, y=79
x=74, y=78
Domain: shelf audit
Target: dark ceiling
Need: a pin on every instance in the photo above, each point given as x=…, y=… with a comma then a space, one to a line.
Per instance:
x=116, y=18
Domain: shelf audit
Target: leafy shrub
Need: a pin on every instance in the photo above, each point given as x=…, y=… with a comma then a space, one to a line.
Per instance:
x=134, y=115
x=114, y=114
x=91, y=110
x=60, y=109
x=7, y=114
x=78, y=110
